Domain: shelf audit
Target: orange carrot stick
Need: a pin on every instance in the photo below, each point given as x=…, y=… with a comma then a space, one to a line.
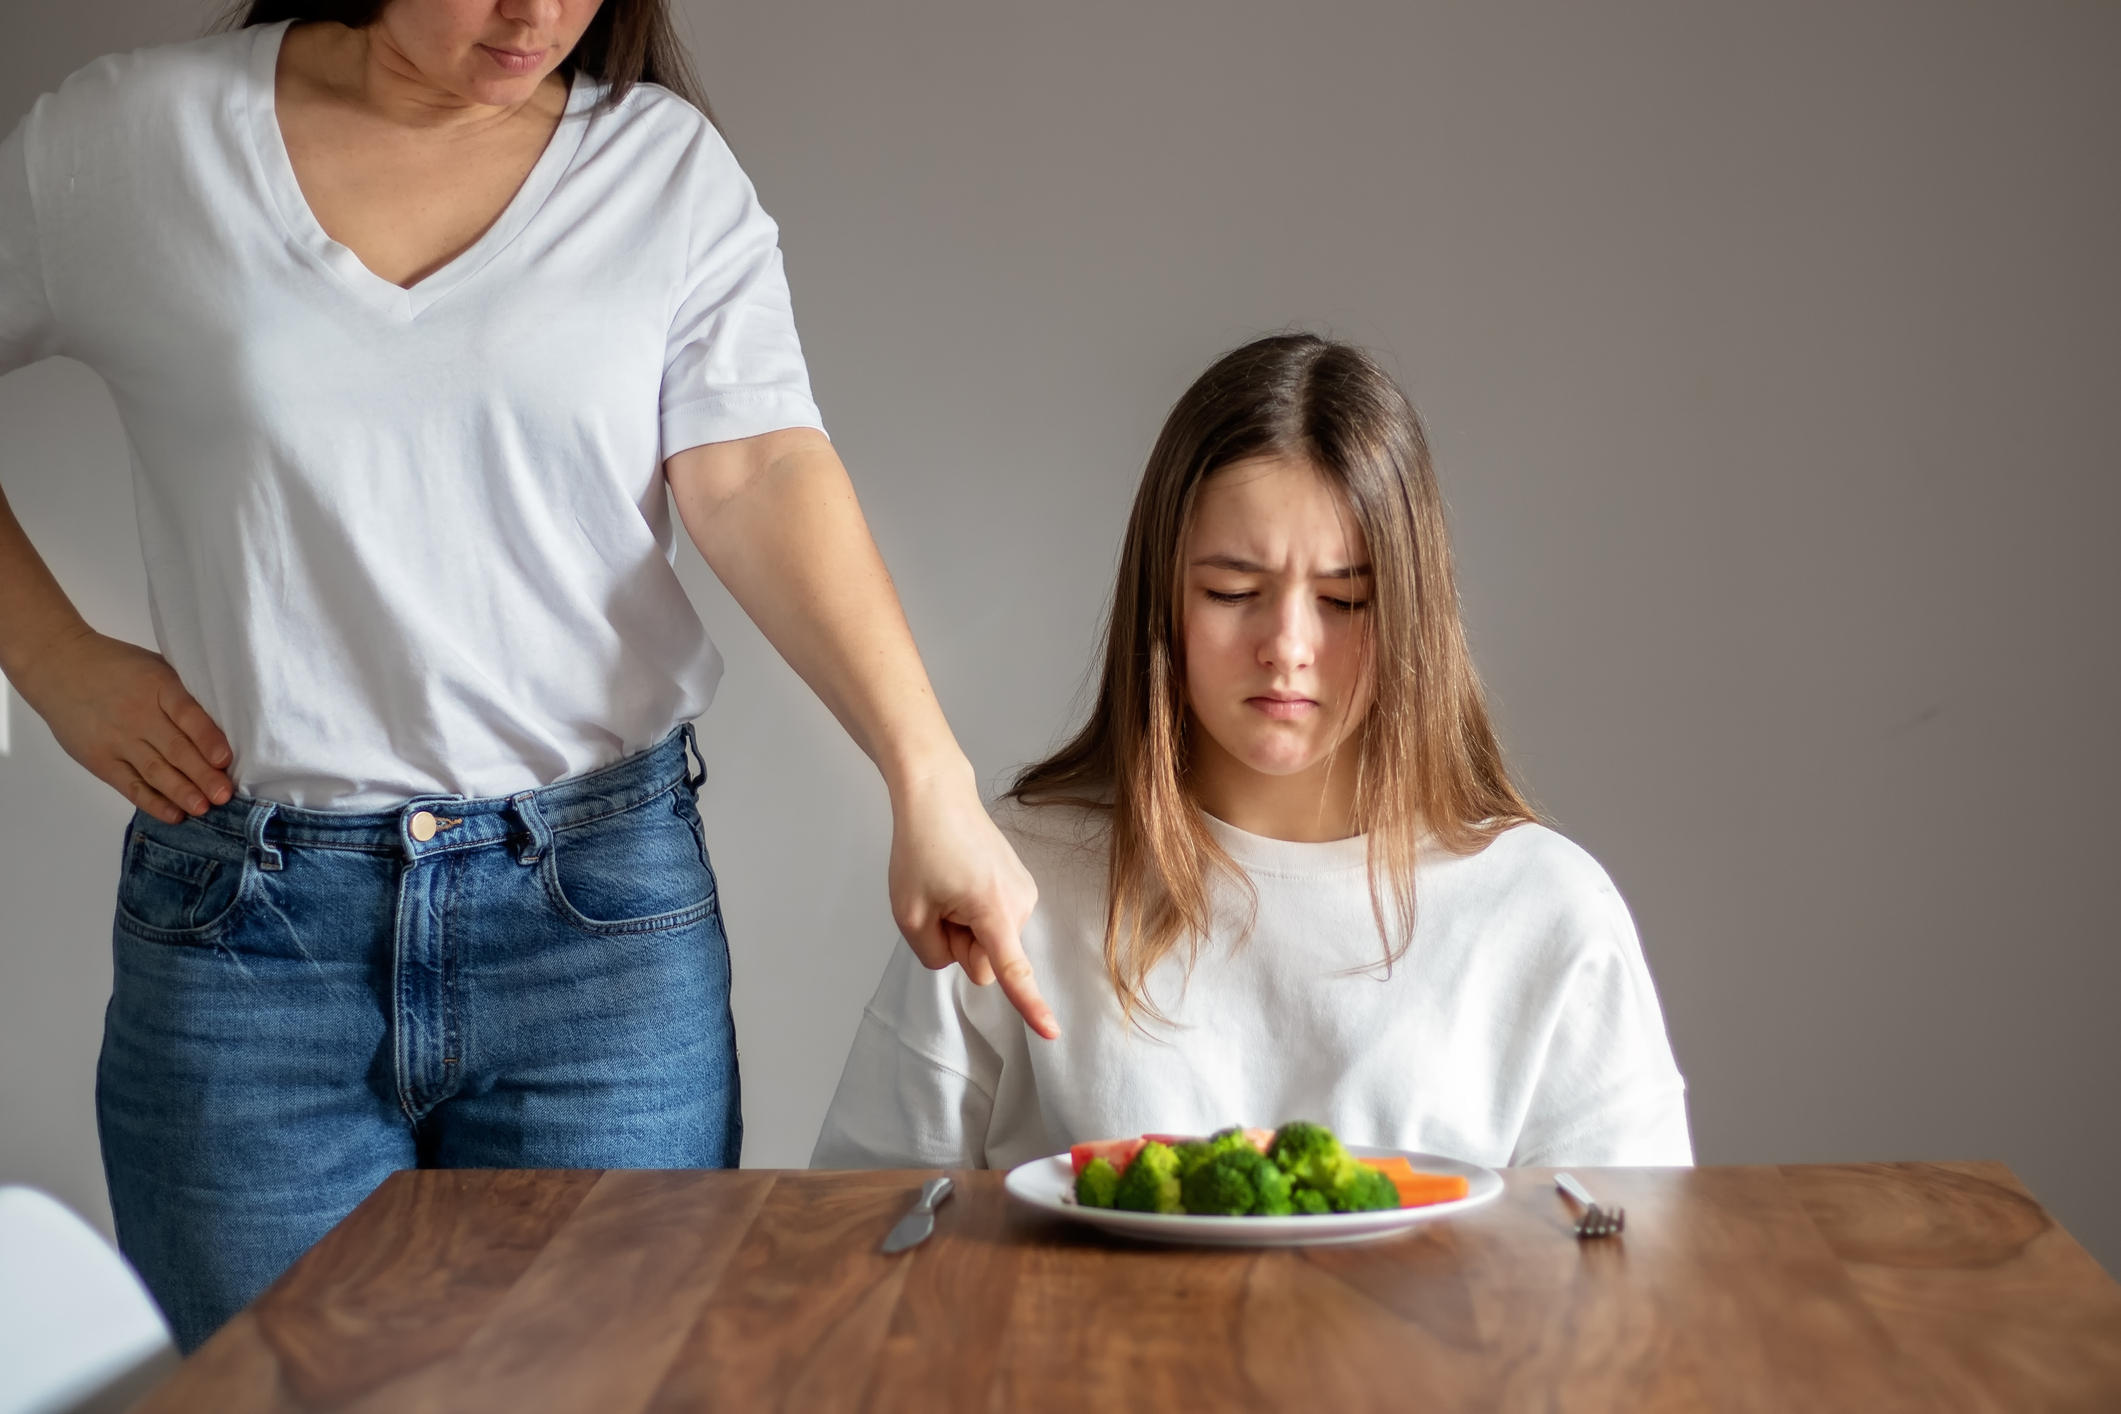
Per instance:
x=1418, y=1189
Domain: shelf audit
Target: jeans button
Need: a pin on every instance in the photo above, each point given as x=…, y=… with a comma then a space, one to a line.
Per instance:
x=422, y=826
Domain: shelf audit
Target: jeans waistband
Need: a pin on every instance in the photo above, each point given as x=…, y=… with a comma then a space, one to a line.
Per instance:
x=461, y=822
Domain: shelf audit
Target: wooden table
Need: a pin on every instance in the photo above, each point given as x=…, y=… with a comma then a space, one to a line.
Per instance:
x=1863, y=1287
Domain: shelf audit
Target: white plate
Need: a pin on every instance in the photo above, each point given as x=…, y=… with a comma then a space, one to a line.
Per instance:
x=1050, y=1184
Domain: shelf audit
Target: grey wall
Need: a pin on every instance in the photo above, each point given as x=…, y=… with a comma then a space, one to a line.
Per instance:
x=1773, y=360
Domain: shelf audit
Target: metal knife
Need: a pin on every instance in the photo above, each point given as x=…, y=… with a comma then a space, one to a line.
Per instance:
x=914, y=1228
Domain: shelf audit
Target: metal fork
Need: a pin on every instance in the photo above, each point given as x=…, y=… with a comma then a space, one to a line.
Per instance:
x=1596, y=1221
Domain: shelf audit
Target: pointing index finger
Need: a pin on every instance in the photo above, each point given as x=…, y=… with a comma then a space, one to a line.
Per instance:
x=1013, y=970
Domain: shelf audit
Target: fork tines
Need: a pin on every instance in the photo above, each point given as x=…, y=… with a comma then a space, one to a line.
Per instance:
x=1596, y=1221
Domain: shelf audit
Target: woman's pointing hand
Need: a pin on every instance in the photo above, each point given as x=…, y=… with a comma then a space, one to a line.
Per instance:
x=960, y=894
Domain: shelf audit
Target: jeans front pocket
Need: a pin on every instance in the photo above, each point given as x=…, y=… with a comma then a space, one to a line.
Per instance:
x=181, y=883
x=641, y=870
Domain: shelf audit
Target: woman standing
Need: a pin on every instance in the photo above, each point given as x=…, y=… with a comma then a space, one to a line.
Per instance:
x=412, y=308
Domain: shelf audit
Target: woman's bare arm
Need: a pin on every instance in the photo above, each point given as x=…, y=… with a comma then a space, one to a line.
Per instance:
x=115, y=707
x=777, y=520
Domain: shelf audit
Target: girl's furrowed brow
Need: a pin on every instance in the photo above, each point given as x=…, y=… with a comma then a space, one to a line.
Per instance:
x=1237, y=566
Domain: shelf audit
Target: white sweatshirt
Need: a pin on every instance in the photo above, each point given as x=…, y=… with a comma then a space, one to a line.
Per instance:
x=1521, y=1026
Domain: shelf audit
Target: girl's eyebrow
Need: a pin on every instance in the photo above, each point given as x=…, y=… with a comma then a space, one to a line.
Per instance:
x=1237, y=566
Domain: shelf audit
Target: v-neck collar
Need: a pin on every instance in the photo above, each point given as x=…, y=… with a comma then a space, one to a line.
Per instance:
x=301, y=224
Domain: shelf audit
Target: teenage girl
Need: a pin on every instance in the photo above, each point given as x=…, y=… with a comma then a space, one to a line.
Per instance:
x=1282, y=872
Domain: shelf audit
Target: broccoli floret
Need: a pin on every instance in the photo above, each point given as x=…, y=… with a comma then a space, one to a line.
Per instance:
x=1230, y=1141
x=1191, y=1155
x=1220, y=1188
x=1309, y=1153
x=1326, y=1176
x=1370, y=1191
x=1097, y=1184
x=1236, y=1183
x=1150, y=1184
x=1276, y=1192
x=1312, y=1157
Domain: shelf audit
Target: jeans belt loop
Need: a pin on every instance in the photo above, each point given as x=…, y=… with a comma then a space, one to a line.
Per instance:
x=533, y=820
x=695, y=764
x=265, y=854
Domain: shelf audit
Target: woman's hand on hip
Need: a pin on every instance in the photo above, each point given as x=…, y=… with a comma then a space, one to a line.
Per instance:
x=959, y=892
x=122, y=712
x=117, y=708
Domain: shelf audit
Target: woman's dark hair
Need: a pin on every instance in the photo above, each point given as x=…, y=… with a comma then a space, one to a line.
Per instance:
x=629, y=41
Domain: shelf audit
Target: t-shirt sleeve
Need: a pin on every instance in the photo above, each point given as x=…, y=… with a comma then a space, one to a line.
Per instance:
x=733, y=366
x=918, y=1090
x=28, y=329
x=1608, y=1090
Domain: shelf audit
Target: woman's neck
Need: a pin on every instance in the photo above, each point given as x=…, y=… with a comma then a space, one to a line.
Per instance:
x=365, y=69
x=1308, y=807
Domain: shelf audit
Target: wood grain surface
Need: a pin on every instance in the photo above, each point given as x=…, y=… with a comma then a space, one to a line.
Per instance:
x=1864, y=1287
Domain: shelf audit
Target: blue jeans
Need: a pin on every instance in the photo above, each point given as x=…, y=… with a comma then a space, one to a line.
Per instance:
x=305, y=1001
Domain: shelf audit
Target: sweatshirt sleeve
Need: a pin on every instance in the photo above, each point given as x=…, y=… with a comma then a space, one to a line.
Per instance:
x=28, y=329
x=918, y=1089
x=1608, y=1090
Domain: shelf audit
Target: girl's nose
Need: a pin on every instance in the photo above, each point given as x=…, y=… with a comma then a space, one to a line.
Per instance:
x=1292, y=639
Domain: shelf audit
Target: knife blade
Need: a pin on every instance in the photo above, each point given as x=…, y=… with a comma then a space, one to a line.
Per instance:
x=914, y=1228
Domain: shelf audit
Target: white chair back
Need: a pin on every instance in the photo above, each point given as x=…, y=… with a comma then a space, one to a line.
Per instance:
x=78, y=1332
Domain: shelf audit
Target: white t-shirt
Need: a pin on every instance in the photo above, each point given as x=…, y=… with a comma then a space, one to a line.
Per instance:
x=1520, y=1027
x=398, y=541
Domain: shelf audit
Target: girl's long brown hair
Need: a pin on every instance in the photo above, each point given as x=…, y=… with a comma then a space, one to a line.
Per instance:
x=1429, y=761
x=629, y=41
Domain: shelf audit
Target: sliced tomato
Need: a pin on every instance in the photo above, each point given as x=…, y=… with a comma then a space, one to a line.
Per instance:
x=1262, y=1139
x=1117, y=1152
x=1172, y=1140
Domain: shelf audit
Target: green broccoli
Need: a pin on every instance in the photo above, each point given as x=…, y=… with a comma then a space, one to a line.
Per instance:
x=1312, y=1157
x=1220, y=1188
x=1276, y=1193
x=1370, y=1191
x=1317, y=1163
x=1306, y=1170
x=1191, y=1155
x=1096, y=1184
x=1150, y=1184
x=1235, y=1183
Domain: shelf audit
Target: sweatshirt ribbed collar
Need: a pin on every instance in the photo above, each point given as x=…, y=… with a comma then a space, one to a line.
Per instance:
x=1258, y=854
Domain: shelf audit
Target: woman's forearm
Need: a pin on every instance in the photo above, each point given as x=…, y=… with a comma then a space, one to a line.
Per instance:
x=776, y=518
x=36, y=617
